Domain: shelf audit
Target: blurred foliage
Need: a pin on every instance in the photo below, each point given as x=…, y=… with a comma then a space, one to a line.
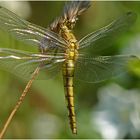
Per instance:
x=43, y=113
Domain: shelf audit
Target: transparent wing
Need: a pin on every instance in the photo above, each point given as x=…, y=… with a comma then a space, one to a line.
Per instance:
x=104, y=37
x=23, y=64
x=29, y=33
x=101, y=68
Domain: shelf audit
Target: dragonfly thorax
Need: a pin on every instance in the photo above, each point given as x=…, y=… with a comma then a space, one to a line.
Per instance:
x=67, y=34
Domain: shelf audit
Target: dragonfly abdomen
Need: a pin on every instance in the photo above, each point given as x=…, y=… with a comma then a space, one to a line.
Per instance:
x=68, y=75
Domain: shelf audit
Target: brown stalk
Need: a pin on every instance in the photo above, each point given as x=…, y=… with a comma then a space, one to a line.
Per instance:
x=19, y=102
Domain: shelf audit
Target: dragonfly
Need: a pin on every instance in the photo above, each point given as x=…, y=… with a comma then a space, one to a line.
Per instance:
x=58, y=49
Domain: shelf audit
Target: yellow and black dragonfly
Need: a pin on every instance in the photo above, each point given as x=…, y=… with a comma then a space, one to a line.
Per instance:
x=60, y=50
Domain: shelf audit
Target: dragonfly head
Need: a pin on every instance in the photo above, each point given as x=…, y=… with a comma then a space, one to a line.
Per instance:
x=70, y=23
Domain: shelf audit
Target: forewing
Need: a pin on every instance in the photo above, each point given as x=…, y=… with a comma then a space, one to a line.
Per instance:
x=23, y=64
x=29, y=33
x=100, y=68
x=104, y=37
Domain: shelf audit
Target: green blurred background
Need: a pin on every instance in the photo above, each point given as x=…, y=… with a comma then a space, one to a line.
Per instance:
x=109, y=109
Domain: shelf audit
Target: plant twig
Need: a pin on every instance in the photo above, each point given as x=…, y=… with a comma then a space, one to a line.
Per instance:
x=19, y=102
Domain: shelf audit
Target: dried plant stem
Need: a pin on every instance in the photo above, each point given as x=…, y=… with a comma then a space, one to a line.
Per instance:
x=19, y=102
